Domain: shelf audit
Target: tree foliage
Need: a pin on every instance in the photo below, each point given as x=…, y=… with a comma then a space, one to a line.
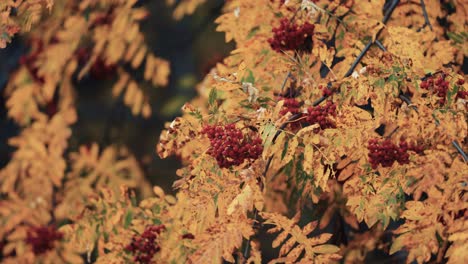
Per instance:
x=359, y=119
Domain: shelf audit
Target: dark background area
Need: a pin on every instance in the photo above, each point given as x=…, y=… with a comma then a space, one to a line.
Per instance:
x=191, y=45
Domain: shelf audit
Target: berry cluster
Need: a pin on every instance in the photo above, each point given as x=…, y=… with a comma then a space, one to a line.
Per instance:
x=144, y=246
x=386, y=153
x=289, y=36
x=438, y=86
x=462, y=94
x=325, y=91
x=230, y=147
x=42, y=238
x=292, y=106
x=188, y=236
x=321, y=115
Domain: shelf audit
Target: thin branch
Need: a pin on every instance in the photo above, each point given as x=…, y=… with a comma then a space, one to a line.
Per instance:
x=381, y=46
x=285, y=80
x=366, y=48
x=358, y=59
x=460, y=150
x=390, y=10
x=426, y=17
x=442, y=250
x=408, y=102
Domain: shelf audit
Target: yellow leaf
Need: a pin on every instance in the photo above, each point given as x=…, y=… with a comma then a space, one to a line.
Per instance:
x=325, y=249
x=243, y=200
x=308, y=159
x=120, y=84
x=139, y=57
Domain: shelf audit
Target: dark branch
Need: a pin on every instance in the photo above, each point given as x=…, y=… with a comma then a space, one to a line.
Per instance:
x=426, y=17
x=381, y=46
x=387, y=16
x=460, y=150
x=285, y=80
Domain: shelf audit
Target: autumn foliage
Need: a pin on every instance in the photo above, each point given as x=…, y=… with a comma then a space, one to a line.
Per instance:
x=334, y=132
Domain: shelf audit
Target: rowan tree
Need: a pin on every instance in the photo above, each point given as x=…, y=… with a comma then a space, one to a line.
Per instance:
x=335, y=129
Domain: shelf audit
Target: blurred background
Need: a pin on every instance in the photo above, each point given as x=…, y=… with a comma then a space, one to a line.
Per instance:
x=191, y=45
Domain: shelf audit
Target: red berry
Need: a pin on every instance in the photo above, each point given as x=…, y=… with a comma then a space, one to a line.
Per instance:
x=321, y=115
x=42, y=238
x=230, y=147
x=385, y=152
x=144, y=246
x=289, y=36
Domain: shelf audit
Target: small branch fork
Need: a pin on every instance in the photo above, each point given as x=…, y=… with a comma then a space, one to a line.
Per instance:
x=426, y=17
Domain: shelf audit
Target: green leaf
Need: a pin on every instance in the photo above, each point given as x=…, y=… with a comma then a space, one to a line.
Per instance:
x=253, y=32
x=128, y=218
x=459, y=39
x=250, y=77
x=212, y=97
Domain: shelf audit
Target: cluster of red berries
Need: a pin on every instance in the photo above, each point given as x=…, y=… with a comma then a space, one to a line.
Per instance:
x=386, y=152
x=289, y=36
x=321, y=115
x=461, y=94
x=325, y=91
x=230, y=147
x=144, y=246
x=291, y=105
x=438, y=86
x=42, y=238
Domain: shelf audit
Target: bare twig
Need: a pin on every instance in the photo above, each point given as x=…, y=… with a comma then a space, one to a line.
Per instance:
x=408, y=102
x=426, y=17
x=442, y=250
x=285, y=80
x=381, y=46
x=460, y=150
